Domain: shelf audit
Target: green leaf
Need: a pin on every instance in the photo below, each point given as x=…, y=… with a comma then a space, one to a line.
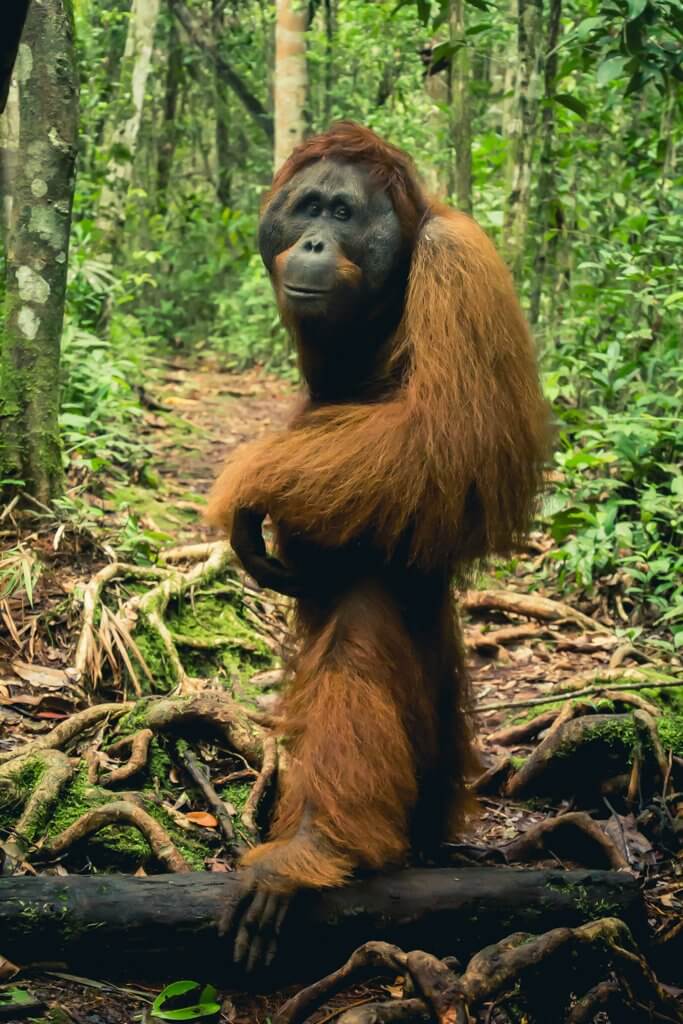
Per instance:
x=587, y=26
x=204, y=1006
x=636, y=8
x=571, y=103
x=610, y=69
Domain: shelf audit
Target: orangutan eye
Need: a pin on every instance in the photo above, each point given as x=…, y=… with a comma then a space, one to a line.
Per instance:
x=342, y=212
x=314, y=208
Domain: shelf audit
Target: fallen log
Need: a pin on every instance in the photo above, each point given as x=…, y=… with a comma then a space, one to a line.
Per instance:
x=166, y=926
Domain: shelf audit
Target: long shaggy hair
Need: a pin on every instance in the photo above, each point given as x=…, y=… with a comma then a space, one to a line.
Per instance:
x=439, y=474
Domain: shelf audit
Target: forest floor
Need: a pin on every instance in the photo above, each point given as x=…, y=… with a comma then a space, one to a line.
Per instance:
x=518, y=653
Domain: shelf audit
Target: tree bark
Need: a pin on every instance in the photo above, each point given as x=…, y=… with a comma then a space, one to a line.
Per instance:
x=221, y=115
x=523, y=131
x=169, y=131
x=166, y=926
x=122, y=143
x=290, y=84
x=460, y=182
x=548, y=213
x=37, y=243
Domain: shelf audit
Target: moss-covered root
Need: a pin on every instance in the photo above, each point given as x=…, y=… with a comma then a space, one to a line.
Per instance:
x=122, y=813
x=215, y=713
x=576, y=757
x=43, y=774
x=152, y=605
x=67, y=730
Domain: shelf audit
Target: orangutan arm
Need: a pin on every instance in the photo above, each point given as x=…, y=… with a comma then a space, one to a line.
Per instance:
x=453, y=459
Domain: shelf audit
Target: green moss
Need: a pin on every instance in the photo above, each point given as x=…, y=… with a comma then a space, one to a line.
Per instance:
x=585, y=900
x=15, y=789
x=237, y=793
x=156, y=659
x=670, y=729
x=517, y=761
x=599, y=704
x=213, y=616
x=618, y=734
x=115, y=846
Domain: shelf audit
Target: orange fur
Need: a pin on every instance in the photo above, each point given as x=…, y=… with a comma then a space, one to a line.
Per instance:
x=467, y=422
x=439, y=474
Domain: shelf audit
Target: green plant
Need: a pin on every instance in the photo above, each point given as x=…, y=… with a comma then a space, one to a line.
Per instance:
x=186, y=1000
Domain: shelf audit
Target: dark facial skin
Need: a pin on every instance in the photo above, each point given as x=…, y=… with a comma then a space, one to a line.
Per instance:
x=333, y=246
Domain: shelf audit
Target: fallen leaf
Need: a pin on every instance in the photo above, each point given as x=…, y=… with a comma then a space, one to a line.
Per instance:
x=8, y=970
x=40, y=675
x=202, y=818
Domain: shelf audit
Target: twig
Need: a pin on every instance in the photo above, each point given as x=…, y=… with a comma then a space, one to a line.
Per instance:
x=199, y=777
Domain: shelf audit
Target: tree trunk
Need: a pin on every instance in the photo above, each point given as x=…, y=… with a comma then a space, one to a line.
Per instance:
x=290, y=85
x=122, y=142
x=460, y=182
x=330, y=20
x=548, y=211
x=222, y=115
x=523, y=131
x=166, y=926
x=169, y=133
x=37, y=244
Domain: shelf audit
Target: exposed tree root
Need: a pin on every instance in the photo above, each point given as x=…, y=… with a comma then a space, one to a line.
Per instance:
x=88, y=657
x=489, y=643
x=494, y=778
x=68, y=730
x=265, y=779
x=532, y=605
x=116, y=630
x=575, y=756
x=57, y=770
x=139, y=752
x=574, y=836
x=119, y=812
x=212, y=711
x=596, y=962
x=374, y=959
x=515, y=734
